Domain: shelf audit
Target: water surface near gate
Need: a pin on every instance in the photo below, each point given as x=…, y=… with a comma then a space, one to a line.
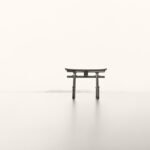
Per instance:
x=53, y=121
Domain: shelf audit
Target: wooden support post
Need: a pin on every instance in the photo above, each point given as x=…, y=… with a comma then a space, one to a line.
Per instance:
x=74, y=86
x=97, y=86
x=85, y=73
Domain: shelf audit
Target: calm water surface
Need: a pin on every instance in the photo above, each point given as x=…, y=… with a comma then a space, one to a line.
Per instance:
x=52, y=121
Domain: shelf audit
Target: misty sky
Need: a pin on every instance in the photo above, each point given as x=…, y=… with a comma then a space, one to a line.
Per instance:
x=40, y=38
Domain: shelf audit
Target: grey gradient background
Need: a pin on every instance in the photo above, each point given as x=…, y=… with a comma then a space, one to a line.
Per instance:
x=38, y=39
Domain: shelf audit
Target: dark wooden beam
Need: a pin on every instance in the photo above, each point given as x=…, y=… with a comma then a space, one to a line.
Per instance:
x=77, y=76
x=88, y=70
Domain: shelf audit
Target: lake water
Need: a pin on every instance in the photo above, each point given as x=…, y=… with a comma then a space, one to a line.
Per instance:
x=53, y=121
